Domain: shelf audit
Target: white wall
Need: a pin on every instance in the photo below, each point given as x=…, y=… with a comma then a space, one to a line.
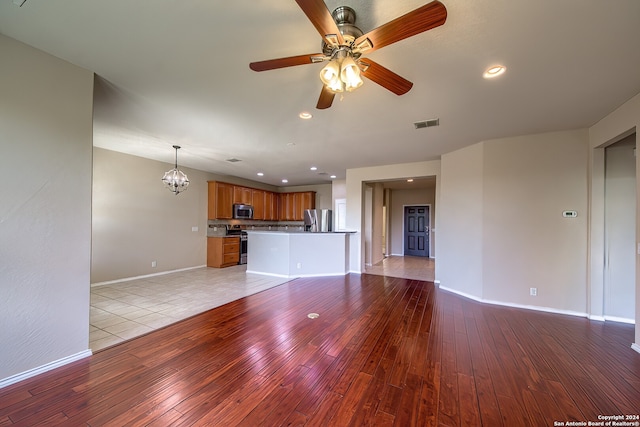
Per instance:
x=45, y=214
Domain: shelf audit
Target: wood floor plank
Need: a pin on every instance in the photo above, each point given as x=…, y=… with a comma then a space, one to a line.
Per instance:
x=385, y=351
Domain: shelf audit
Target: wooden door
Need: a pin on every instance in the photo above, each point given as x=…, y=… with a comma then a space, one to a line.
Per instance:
x=416, y=230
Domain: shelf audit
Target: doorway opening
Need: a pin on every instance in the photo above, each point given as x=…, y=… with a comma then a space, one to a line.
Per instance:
x=620, y=224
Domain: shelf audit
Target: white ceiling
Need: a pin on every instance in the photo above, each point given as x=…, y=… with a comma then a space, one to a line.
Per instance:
x=177, y=72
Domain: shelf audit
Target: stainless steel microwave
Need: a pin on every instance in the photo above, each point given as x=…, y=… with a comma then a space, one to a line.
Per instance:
x=242, y=211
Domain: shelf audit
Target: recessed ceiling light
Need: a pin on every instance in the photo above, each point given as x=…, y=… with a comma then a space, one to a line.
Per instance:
x=494, y=71
x=285, y=180
x=313, y=168
x=260, y=174
x=333, y=177
x=305, y=115
x=291, y=144
x=410, y=180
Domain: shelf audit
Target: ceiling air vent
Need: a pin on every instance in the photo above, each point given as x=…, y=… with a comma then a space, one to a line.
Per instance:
x=233, y=160
x=427, y=123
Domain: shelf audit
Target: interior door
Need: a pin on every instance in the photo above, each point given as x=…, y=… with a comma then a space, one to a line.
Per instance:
x=416, y=230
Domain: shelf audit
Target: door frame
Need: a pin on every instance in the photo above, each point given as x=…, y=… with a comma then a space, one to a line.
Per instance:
x=428, y=205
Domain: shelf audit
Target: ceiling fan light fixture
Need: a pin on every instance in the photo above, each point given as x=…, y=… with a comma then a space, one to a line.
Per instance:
x=330, y=72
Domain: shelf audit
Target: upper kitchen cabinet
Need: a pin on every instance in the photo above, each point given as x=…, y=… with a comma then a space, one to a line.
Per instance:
x=242, y=195
x=293, y=205
x=258, y=202
x=303, y=201
x=220, y=200
x=270, y=206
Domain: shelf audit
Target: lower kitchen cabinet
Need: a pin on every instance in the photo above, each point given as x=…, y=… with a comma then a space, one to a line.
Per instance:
x=223, y=251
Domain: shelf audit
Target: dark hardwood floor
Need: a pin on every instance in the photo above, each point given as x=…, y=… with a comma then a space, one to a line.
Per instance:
x=384, y=351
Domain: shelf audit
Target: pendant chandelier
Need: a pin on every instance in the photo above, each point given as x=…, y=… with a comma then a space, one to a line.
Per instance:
x=175, y=180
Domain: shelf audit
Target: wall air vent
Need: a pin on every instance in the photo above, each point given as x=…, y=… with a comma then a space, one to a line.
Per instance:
x=427, y=123
x=233, y=160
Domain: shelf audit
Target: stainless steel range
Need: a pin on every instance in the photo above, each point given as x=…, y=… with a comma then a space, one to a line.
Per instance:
x=237, y=231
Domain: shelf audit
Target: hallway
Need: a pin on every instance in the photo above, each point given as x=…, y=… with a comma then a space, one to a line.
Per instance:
x=406, y=267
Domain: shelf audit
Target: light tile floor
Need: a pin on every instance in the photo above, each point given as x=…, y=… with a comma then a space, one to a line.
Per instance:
x=124, y=310
x=407, y=267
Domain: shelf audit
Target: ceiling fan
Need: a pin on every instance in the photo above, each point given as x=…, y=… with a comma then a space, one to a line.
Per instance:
x=344, y=43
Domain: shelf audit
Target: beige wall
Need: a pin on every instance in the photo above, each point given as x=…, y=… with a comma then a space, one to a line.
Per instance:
x=45, y=214
x=501, y=218
x=137, y=221
x=459, y=221
x=528, y=182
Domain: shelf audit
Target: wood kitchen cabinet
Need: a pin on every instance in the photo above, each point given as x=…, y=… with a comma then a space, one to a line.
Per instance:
x=270, y=206
x=220, y=204
x=223, y=251
x=267, y=205
x=303, y=201
x=285, y=206
x=242, y=195
x=258, y=203
x=293, y=205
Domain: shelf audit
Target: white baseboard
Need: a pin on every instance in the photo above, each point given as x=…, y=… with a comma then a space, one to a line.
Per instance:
x=523, y=306
x=636, y=347
x=620, y=319
x=44, y=368
x=597, y=318
x=296, y=276
x=128, y=279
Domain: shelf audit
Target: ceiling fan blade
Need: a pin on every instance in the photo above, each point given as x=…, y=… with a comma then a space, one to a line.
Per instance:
x=326, y=98
x=424, y=18
x=384, y=77
x=321, y=18
x=272, y=64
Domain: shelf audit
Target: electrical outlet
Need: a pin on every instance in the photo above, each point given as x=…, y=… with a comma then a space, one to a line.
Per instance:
x=153, y=264
x=533, y=292
x=299, y=265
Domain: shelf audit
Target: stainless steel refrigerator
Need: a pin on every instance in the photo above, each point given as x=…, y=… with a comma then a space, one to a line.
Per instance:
x=318, y=220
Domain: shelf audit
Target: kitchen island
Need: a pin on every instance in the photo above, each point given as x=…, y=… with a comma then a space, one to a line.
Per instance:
x=297, y=254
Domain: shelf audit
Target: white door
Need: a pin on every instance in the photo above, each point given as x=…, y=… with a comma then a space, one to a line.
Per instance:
x=620, y=212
